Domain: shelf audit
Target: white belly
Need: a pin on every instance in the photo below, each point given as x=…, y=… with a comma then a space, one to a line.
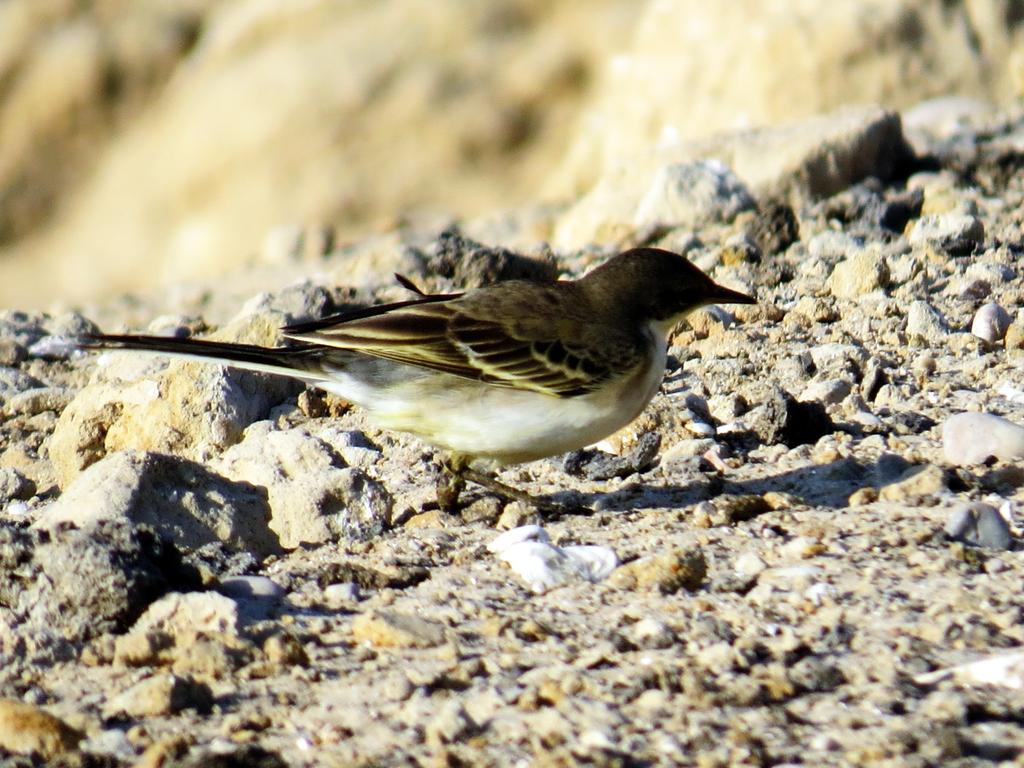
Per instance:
x=504, y=425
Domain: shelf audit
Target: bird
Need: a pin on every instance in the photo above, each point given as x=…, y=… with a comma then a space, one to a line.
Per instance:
x=499, y=375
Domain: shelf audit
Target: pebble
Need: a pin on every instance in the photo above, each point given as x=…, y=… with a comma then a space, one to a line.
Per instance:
x=859, y=274
x=251, y=588
x=668, y=573
x=973, y=438
x=990, y=323
x=829, y=391
x=344, y=593
x=161, y=695
x=14, y=381
x=924, y=320
x=14, y=486
x=26, y=729
x=391, y=629
x=749, y=564
x=597, y=465
x=917, y=485
x=651, y=633
x=1014, y=339
x=39, y=400
x=784, y=419
x=979, y=524
x=955, y=233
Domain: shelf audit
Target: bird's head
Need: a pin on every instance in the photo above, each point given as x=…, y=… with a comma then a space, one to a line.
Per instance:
x=654, y=285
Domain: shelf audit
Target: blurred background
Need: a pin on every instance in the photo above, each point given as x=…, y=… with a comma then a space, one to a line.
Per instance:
x=150, y=141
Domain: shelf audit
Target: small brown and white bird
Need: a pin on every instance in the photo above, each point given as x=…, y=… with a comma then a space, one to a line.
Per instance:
x=503, y=374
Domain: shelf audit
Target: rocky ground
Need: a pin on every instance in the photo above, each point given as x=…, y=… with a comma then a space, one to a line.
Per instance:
x=816, y=563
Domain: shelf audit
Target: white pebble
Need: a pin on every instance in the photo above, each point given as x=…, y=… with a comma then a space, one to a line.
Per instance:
x=528, y=552
x=972, y=438
x=342, y=593
x=517, y=536
x=990, y=323
x=749, y=564
x=701, y=428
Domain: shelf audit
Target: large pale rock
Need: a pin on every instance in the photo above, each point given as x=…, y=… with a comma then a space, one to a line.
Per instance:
x=183, y=501
x=748, y=63
x=806, y=160
x=313, y=496
x=973, y=438
x=140, y=402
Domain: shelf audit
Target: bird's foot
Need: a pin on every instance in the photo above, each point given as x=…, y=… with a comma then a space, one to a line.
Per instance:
x=491, y=483
x=455, y=474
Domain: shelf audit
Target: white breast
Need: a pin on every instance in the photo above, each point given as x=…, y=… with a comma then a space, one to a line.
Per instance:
x=503, y=425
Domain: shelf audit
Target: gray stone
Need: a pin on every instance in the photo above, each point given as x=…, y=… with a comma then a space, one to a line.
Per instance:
x=14, y=486
x=979, y=524
x=955, y=233
x=925, y=321
x=251, y=588
x=14, y=382
x=82, y=583
x=693, y=194
x=39, y=400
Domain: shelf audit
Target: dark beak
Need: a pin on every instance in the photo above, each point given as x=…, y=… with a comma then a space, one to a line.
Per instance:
x=728, y=296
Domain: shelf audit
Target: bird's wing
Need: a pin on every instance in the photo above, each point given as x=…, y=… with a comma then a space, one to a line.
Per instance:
x=453, y=336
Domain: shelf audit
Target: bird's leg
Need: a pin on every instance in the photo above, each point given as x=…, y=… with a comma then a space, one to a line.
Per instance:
x=450, y=484
x=455, y=471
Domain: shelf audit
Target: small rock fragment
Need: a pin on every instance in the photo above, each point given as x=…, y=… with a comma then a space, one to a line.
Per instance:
x=917, y=485
x=924, y=321
x=1014, y=340
x=956, y=234
x=783, y=419
x=737, y=509
x=14, y=486
x=861, y=273
x=974, y=438
x=390, y=629
x=668, y=573
x=313, y=497
x=979, y=524
x=82, y=583
x=161, y=695
x=693, y=194
x=250, y=588
x=597, y=465
x=182, y=500
x=284, y=649
x=528, y=552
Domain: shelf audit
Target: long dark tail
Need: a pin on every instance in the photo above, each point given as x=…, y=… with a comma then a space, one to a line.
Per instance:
x=299, y=361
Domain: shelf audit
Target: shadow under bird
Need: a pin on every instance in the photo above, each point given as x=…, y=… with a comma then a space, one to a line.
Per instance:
x=507, y=373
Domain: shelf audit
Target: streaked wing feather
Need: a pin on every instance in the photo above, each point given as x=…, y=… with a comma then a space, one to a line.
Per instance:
x=438, y=336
